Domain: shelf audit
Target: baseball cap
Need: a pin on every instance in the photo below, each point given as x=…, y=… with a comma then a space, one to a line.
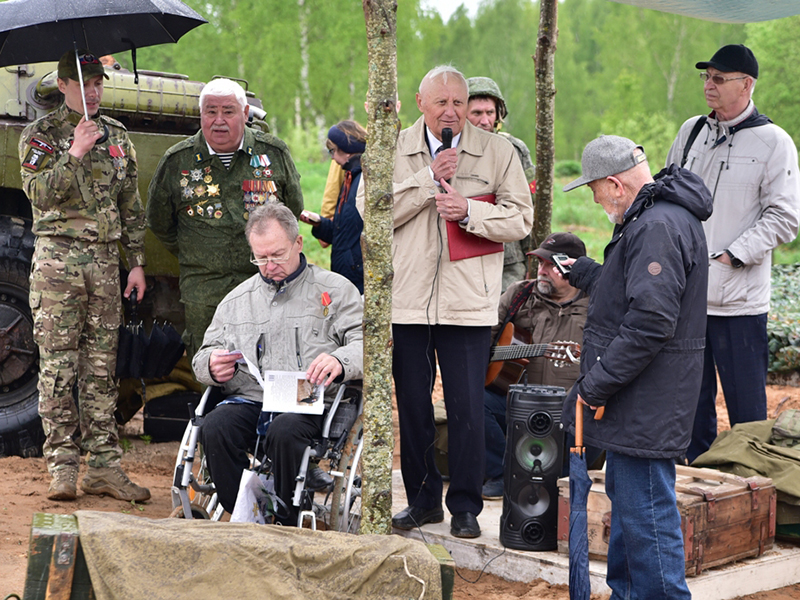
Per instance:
x=560, y=243
x=733, y=58
x=605, y=156
x=90, y=66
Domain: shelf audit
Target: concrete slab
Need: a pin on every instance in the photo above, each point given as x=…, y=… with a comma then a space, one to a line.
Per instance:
x=775, y=569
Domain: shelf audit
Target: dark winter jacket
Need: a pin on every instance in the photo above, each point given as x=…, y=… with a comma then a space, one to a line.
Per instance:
x=343, y=232
x=642, y=355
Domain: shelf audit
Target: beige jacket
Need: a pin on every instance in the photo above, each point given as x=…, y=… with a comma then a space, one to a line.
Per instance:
x=428, y=287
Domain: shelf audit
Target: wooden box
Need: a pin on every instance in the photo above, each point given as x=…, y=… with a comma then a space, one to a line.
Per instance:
x=723, y=517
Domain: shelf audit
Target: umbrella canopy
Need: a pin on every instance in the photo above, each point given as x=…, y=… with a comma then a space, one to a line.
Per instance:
x=579, y=485
x=34, y=31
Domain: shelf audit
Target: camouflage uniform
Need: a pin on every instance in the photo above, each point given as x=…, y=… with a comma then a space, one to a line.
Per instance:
x=198, y=209
x=81, y=209
x=515, y=265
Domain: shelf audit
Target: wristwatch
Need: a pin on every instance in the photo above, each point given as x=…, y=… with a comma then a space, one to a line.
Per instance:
x=735, y=262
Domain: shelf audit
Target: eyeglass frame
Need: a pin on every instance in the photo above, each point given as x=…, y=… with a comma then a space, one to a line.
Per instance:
x=260, y=262
x=705, y=76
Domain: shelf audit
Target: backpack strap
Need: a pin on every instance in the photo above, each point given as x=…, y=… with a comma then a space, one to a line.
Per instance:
x=699, y=124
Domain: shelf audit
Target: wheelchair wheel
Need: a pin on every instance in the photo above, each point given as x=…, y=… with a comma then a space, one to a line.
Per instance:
x=198, y=512
x=345, y=499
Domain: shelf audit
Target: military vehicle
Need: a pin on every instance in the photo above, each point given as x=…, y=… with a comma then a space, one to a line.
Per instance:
x=158, y=112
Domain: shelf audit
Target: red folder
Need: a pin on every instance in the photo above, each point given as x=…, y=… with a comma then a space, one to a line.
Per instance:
x=463, y=244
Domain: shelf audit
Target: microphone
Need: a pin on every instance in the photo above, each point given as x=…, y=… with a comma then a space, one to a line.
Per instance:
x=447, y=138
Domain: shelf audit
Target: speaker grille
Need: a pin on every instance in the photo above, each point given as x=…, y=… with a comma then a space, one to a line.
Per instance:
x=536, y=455
x=540, y=423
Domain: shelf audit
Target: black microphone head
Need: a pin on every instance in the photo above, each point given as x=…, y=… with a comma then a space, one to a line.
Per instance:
x=447, y=138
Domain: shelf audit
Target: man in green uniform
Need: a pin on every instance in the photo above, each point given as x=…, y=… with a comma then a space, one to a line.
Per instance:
x=82, y=186
x=202, y=194
x=486, y=110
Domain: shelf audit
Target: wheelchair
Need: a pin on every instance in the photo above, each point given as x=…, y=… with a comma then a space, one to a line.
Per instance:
x=337, y=449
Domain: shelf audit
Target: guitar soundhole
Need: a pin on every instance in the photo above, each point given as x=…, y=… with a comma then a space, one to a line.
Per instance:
x=540, y=423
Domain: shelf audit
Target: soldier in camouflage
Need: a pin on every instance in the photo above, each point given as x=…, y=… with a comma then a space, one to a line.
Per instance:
x=82, y=187
x=486, y=110
x=202, y=194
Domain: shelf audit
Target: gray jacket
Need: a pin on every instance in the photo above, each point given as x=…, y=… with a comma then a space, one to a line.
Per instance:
x=752, y=175
x=284, y=328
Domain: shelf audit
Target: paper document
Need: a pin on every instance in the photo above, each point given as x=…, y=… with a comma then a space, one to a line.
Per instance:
x=289, y=391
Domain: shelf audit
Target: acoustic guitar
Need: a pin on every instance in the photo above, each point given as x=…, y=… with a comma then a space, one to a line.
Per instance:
x=510, y=356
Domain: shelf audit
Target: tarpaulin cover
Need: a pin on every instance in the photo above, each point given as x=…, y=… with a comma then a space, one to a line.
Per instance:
x=134, y=557
x=723, y=11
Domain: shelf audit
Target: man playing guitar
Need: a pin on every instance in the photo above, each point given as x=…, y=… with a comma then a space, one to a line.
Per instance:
x=542, y=311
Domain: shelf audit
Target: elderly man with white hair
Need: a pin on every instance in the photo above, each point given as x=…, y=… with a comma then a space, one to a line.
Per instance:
x=203, y=192
x=458, y=196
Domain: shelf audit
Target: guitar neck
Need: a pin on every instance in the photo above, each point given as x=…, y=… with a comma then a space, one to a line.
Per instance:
x=518, y=351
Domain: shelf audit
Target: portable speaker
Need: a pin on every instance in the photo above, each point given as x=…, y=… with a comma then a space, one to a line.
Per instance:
x=532, y=466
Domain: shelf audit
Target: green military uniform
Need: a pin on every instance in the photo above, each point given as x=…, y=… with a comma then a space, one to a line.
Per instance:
x=515, y=264
x=198, y=209
x=81, y=209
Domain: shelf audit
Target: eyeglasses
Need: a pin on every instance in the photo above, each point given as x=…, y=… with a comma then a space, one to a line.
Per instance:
x=260, y=262
x=719, y=79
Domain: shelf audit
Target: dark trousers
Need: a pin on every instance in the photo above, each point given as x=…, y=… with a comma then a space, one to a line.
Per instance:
x=229, y=433
x=738, y=348
x=463, y=354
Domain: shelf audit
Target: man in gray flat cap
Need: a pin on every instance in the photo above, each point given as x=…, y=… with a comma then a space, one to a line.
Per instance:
x=642, y=355
x=750, y=166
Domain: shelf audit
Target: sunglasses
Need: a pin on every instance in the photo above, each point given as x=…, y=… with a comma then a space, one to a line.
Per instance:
x=719, y=79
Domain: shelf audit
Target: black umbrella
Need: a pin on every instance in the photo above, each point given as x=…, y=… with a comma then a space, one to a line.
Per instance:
x=34, y=31
x=580, y=587
x=132, y=347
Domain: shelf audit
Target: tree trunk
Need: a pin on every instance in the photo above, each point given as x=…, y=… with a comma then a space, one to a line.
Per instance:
x=545, y=109
x=378, y=168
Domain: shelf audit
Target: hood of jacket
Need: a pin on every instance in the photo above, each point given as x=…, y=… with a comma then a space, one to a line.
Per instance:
x=677, y=186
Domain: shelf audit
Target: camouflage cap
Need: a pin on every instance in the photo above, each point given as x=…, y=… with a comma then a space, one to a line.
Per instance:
x=484, y=86
x=90, y=66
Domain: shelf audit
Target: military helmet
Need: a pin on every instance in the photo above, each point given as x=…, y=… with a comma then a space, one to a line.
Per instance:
x=483, y=86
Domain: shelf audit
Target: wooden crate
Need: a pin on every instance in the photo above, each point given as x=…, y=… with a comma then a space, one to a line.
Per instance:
x=723, y=517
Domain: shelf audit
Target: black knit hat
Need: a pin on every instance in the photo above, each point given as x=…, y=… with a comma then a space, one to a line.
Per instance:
x=734, y=58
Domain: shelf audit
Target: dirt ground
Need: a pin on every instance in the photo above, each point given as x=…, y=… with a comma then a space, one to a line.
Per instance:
x=25, y=482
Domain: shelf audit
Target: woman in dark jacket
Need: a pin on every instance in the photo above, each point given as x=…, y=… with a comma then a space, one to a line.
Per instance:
x=346, y=142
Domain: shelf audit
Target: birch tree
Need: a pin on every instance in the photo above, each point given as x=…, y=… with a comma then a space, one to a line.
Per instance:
x=378, y=168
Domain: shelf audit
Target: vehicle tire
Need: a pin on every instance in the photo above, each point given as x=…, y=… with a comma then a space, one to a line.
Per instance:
x=20, y=426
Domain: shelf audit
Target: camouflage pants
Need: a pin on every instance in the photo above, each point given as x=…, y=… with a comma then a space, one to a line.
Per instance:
x=198, y=318
x=76, y=306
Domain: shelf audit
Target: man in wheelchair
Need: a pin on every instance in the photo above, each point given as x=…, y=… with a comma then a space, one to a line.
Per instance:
x=291, y=316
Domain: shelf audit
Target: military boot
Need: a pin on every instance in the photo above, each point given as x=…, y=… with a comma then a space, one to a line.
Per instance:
x=114, y=482
x=64, y=485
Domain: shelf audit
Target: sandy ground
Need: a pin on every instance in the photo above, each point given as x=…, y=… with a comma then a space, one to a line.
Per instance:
x=25, y=482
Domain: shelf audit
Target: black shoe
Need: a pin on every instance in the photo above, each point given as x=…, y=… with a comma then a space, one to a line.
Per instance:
x=465, y=525
x=412, y=516
x=318, y=480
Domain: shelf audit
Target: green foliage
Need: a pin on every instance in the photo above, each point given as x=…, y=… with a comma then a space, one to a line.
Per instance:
x=783, y=327
x=306, y=145
x=568, y=168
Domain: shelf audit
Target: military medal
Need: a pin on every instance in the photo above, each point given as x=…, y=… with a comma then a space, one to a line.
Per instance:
x=326, y=302
x=213, y=190
x=267, y=172
x=257, y=172
x=218, y=212
x=208, y=179
x=199, y=210
x=246, y=215
x=184, y=182
x=189, y=211
x=187, y=192
x=199, y=191
x=196, y=174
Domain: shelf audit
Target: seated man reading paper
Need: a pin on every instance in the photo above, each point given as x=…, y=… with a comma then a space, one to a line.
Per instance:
x=291, y=316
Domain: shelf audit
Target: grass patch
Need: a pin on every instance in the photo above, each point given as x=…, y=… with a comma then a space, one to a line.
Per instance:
x=312, y=179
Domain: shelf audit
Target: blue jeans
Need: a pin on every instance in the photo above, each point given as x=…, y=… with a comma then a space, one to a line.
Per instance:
x=645, y=549
x=739, y=349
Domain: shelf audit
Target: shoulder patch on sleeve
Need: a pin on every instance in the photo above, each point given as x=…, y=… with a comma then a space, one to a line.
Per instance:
x=39, y=152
